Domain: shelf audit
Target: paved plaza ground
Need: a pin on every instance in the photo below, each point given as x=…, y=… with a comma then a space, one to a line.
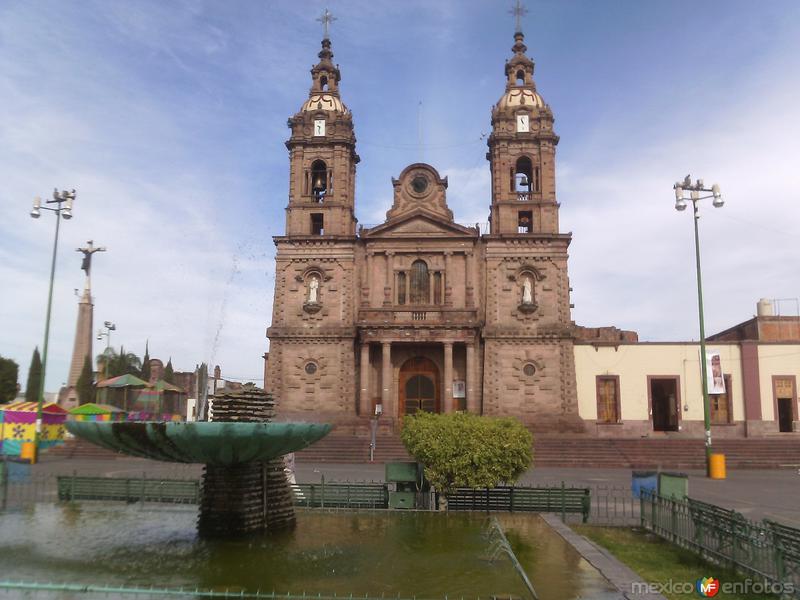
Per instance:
x=754, y=493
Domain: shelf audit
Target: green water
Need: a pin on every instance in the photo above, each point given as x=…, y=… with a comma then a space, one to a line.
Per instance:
x=426, y=555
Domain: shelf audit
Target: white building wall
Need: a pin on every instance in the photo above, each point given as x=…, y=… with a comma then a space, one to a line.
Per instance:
x=634, y=362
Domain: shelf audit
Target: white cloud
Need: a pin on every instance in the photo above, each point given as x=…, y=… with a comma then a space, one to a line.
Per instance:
x=169, y=120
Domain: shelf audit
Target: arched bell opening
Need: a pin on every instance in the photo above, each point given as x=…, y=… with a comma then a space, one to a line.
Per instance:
x=319, y=180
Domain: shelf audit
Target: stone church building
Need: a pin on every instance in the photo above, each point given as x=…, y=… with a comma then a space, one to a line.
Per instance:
x=421, y=313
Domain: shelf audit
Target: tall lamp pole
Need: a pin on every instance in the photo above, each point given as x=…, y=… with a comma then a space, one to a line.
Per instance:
x=59, y=199
x=680, y=205
x=105, y=332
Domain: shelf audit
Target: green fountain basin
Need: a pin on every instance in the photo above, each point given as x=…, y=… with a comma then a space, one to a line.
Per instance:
x=221, y=443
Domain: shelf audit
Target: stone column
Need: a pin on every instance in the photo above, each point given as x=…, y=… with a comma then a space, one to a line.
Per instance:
x=387, y=286
x=365, y=406
x=386, y=379
x=468, y=291
x=448, y=377
x=447, y=290
x=367, y=280
x=472, y=376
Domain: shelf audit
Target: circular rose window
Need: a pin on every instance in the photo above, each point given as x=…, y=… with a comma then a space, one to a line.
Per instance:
x=311, y=368
x=419, y=184
x=529, y=370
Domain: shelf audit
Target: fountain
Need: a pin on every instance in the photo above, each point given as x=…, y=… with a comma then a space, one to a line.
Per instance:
x=244, y=486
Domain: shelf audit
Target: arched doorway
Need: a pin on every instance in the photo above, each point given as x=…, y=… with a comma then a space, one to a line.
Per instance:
x=419, y=386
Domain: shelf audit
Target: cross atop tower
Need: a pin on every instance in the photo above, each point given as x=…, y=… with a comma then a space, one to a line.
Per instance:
x=326, y=19
x=519, y=11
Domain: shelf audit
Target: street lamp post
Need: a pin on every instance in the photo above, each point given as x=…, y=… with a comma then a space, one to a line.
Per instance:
x=105, y=331
x=59, y=198
x=680, y=204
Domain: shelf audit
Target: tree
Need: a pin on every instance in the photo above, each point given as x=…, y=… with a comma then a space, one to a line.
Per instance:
x=114, y=364
x=9, y=371
x=467, y=450
x=146, y=362
x=85, y=385
x=34, y=384
x=169, y=372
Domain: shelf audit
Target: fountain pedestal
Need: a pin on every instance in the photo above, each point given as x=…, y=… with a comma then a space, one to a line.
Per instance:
x=248, y=497
x=244, y=486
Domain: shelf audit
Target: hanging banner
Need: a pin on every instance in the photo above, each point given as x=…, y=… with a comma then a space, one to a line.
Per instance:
x=716, y=380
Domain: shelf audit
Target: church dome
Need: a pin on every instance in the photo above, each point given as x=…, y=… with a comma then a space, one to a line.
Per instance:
x=327, y=102
x=521, y=97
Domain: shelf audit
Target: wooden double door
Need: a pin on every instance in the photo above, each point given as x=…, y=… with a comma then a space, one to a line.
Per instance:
x=419, y=386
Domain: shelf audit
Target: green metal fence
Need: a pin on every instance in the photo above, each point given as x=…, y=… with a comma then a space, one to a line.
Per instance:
x=768, y=551
x=29, y=587
x=129, y=489
x=554, y=499
x=341, y=495
x=602, y=504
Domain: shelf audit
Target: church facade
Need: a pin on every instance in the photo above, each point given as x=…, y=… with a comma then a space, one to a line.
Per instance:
x=421, y=313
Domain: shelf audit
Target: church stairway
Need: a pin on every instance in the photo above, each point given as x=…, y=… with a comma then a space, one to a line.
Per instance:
x=80, y=449
x=563, y=451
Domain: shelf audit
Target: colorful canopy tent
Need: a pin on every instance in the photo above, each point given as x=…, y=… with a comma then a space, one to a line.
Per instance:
x=161, y=401
x=97, y=412
x=124, y=383
x=18, y=425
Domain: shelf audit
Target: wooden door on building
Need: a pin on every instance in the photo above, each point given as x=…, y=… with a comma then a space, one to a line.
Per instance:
x=720, y=405
x=664, y=403
x=785, y=398
x=419, y=386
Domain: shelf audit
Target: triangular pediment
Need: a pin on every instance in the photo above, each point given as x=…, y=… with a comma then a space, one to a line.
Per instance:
x=418, y=223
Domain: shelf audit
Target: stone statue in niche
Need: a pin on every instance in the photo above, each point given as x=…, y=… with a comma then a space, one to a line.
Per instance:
x=313, y=290
x=527, y=290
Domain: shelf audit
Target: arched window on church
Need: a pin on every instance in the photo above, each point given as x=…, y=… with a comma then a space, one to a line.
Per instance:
x=319, y=180
x=420, y=283
x=401, y=288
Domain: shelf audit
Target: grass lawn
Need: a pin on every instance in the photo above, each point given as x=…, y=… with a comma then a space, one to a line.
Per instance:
x=658, y=561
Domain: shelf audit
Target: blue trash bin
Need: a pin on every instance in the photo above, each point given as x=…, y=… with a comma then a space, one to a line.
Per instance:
x=644, y=480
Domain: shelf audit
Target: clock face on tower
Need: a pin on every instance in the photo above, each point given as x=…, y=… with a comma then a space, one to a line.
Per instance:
x=319, y=127
x=523, y=126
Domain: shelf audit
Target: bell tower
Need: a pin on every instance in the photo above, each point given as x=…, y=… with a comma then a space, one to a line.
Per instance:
x=311, y=367
x=522, y=153
x=322, y=156
x=528, y=332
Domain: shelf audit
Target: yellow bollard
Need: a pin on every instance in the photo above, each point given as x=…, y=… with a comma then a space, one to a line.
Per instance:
x=28, y=452
x=716, y=466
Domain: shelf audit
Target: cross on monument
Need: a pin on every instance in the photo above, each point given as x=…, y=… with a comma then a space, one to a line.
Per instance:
x=86, y=265
x=519, y=11
x=326, y=19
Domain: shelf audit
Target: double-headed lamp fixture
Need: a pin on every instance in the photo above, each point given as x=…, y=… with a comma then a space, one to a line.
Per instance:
x=695, y=190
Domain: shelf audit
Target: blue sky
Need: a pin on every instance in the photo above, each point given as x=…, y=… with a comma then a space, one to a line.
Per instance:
x=169, y=119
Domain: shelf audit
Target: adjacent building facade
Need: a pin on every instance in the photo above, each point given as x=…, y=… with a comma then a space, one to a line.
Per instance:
x=422, y=313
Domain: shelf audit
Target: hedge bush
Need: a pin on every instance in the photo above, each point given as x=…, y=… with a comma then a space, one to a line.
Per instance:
x=467, y=450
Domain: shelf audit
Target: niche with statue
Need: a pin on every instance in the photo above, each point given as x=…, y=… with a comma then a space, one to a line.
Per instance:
x=526, y=279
